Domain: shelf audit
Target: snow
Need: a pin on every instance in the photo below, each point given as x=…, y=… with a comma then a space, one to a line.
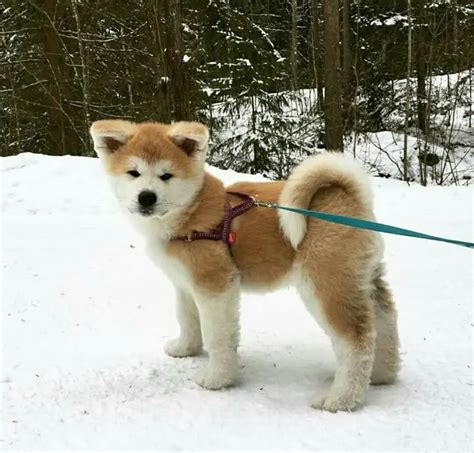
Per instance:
x=451, y=136
x=389, y=21
x=85, y=316
x=377, y=22
x=394, y=19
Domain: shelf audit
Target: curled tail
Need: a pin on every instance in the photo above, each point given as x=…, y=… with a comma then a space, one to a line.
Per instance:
x=313, y=174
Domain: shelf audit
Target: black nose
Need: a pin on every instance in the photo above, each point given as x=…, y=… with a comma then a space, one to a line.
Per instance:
x=147, y=198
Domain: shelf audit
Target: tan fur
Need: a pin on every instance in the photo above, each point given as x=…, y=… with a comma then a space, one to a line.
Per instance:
x=148, y=141
x=387, y=359
x=208, y=262
x=338, y=260
x=258, y=231
x=337, y=268
x=312, y=175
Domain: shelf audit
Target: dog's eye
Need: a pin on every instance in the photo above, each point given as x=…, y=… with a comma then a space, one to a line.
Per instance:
x=133, y=173
x=166, y=176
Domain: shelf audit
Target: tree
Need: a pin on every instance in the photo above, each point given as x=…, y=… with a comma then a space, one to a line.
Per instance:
x=263, y=75
x=407, y=93
x=257, y=135
x=347, y=62
x=317, y=53
x=332, y=70
x=421, y=37
x=294, y=44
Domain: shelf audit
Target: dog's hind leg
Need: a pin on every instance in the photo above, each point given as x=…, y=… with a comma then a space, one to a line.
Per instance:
x=346, y=314
x=189, y=342
x=387, y=359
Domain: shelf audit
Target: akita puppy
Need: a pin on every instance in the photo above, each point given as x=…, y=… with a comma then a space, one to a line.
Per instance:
x=157, y=173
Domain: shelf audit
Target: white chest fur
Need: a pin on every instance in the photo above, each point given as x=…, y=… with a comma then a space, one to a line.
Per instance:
x=172, y=267
x=157, y=237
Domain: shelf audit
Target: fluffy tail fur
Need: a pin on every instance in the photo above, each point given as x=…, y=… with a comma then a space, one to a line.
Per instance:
x=315, y=173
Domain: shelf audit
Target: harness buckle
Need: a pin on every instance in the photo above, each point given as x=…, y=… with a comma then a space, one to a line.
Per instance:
x=261, y=203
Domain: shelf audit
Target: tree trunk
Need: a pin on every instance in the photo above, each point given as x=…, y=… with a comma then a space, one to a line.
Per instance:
x=172, y=92
x=180, y=87
x=158, y=20
x=332, y=77
x=455, y=26
x=347, y=70
x=317, y=51
x=84, y=79
x=14, y=120
x=294, y=45
x=52, y=72
x=407, y=95
x=421, y=65
x=421, y=101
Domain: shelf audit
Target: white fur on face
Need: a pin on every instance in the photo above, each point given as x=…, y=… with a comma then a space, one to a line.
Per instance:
x=173, y=195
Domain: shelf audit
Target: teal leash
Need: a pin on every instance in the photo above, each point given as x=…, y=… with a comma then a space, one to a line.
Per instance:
x=363, y=224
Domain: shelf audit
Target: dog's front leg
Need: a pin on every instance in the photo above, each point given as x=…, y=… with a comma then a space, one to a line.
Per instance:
x=219, y=314
x=189, y=342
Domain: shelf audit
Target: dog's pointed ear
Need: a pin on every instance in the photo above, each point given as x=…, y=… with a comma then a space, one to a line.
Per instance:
x=190, y=137
x=109, y=135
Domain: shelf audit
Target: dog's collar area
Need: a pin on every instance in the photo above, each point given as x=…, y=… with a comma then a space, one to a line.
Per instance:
x=223, y=231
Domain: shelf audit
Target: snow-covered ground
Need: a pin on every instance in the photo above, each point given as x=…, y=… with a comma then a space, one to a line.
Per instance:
x=85, y=316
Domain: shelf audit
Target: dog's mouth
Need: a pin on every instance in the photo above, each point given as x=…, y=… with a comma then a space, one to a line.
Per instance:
x=149, y=212
x=157, y=211
x=146, y=212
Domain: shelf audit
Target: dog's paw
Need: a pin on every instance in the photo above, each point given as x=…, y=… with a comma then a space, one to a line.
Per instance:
x=318, y=400
x=180, y=348
x=333, y=403
x=214, y=379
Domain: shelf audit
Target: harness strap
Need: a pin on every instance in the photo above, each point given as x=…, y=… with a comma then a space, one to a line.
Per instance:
x=223, y=231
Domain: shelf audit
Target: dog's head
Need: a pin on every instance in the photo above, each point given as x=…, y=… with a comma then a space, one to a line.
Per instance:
x=155, y=169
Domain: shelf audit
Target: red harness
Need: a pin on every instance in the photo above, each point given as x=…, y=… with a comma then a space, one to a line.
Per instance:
x=222, y=232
